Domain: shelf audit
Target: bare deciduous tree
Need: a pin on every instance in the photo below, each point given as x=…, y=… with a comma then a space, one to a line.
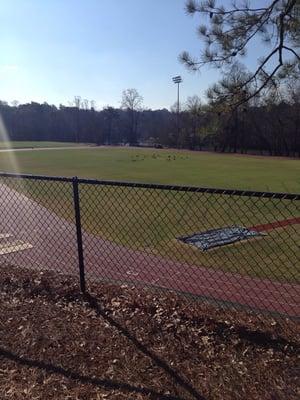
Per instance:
x=76, y=102
x=231, y=91
x=132, y=102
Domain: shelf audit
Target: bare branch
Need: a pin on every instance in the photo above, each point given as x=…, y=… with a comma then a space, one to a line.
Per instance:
x=230, y=31
x=292, y=51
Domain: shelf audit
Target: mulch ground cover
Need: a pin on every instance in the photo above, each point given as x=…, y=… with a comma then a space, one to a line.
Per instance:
x=121, y=342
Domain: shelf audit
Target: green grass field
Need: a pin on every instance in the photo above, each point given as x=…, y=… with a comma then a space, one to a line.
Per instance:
x=152, y=220
x=28, y=145
x=163, y=166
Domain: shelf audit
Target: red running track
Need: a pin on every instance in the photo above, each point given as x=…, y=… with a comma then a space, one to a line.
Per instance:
x=276, y=224
x=55, y=247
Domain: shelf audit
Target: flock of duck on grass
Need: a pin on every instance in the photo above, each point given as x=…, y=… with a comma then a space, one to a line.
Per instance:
x=154, y=156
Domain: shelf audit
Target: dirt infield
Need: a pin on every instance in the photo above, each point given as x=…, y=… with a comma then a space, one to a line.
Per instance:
x=54, y=247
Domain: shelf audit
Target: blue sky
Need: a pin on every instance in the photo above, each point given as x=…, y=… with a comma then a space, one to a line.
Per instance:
x=52, y=50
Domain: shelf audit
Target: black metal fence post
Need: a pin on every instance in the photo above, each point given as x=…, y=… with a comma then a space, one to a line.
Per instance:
x=79, y=233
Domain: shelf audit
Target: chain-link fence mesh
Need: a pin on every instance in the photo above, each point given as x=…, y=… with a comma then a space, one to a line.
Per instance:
x=143, y=235
x=37, y=224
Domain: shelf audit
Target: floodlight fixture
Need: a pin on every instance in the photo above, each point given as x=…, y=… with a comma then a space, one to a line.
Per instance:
x=177, y=79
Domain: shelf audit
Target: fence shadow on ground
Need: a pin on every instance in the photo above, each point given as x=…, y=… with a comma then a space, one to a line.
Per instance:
x=102, y=383
x=263, y=339
x=93, y=303
x=107, y=384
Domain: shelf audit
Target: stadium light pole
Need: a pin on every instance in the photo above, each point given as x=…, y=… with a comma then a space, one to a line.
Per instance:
x=177, y=80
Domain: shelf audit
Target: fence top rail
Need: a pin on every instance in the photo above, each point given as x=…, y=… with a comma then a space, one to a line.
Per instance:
x=178, y=188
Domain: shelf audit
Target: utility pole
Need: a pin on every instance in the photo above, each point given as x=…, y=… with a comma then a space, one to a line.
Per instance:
x=177, y=80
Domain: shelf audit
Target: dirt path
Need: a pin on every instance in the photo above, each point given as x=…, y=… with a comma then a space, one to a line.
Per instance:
x=54, y=247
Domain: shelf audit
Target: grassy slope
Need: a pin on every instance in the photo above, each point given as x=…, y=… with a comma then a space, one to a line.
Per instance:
x=201, y=169
x=26, y=144
x=152, y=220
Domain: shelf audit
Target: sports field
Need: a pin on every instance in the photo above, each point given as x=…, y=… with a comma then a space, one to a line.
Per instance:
x=162, y=166
x=152, y=221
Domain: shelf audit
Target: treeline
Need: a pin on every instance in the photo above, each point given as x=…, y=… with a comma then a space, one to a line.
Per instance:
x=272, y=129
x=44, y=122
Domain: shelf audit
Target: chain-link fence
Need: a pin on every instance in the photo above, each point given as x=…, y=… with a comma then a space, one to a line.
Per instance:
x=232, y=249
